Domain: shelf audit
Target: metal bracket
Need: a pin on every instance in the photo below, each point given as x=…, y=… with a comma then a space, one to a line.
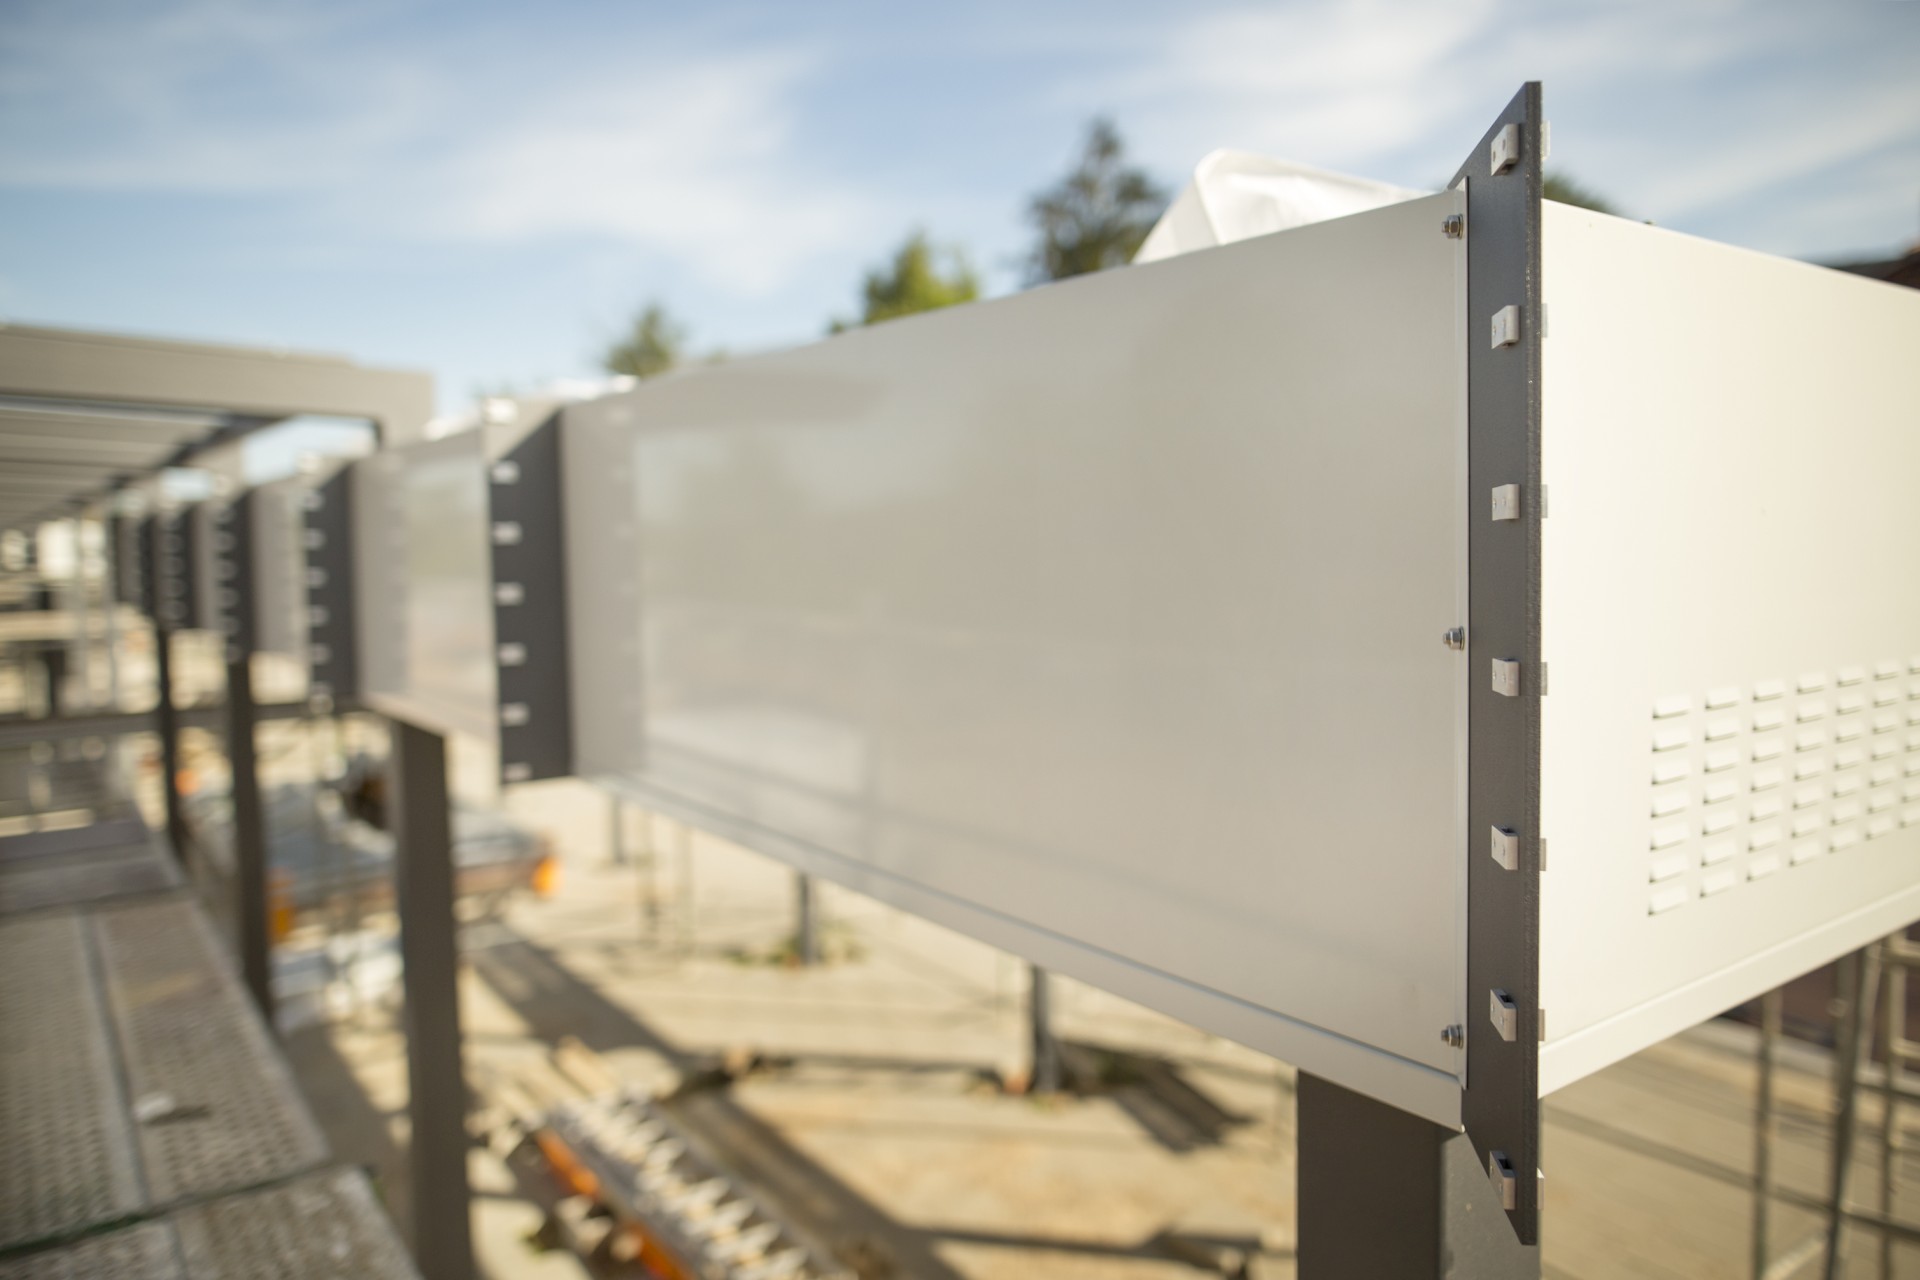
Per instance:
x=1501, y=1104
x=530, y=609
x=333, y=654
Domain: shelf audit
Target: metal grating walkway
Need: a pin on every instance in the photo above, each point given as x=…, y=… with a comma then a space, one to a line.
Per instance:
x=63, y=1124
x=187, y=1035
x=150, y=1126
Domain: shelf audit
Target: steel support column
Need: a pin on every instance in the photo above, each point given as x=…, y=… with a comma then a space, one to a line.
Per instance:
x=1385, y=1195
x=806, y=935
x=167, y=724
x=250, y=911
x=429, y=952
x=1043, y=1075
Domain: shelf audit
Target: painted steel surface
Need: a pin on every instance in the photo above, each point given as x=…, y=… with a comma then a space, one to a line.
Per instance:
x=1731, y=744
x=1103, y=621
x=424, y=593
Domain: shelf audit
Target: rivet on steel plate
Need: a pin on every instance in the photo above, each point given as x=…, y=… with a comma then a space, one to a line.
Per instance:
x=1455, y=637
x=1453, y=226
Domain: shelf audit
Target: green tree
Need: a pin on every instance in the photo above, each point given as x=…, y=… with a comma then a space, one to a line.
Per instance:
x=920, y=278
x=1096, y=216
x=1563, y=189
x=656, y=343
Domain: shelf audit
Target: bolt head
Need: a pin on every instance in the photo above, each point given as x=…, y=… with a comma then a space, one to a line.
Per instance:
x=1453, y=226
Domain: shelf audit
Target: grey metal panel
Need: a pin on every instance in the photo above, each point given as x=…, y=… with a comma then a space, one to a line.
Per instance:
x=63, y=1125
x=1103, y=621
x=530, y=609
x=326, y=1226
x=148, y=1251
x=332, y=616
x=187, y=1031
x=424, y=585
x=1502, y=1099
x=277, y=512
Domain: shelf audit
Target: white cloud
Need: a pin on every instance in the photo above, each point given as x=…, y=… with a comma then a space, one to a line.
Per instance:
x=686, y=152
x=1681, y=111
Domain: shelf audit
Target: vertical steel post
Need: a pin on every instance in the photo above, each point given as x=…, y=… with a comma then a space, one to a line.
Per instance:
x=1384, y=1193
x=1854, y=1041
x=250, y=909
x=53, y=661
x=167, y=723
x=616, y=832
x=110, y=590
x=150, y=543
x=1894, y=1033
x=1043, y=1075
x=429, y=953
x=806, y=937
x=1763, y=1131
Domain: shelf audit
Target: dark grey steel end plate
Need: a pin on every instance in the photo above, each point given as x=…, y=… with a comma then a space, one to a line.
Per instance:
x=233, y=566
x=332, y=651
x=1502, y=1101
x=530, y=609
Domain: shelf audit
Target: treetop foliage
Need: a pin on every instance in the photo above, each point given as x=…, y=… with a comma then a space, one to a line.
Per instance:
x=919, y=278
x=1098, y=214
x=656, y=343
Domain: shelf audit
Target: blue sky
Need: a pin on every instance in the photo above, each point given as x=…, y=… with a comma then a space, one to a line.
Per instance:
x=489, y=190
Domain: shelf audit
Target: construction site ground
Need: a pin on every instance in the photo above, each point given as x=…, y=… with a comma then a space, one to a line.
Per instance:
x=867, y=1096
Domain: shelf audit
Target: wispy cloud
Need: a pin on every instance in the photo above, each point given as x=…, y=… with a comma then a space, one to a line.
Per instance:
x=684, y=151
x=1681, y=111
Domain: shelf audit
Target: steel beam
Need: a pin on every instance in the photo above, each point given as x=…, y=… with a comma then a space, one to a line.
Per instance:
x=250, y=909
x=99, y=368
x=429, y=952
x=1387, y=1195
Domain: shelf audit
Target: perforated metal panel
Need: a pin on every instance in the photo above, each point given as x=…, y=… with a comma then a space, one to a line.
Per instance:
x=91, y=876
x=145, y=1252
x=1748, y=782
x=69, y=1154
x=186, y=1031
x=327, y=1225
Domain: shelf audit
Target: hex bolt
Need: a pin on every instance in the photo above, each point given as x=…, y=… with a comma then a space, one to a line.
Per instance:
x=1454, y=1035
x=1455, y=637
x=1453, y=226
